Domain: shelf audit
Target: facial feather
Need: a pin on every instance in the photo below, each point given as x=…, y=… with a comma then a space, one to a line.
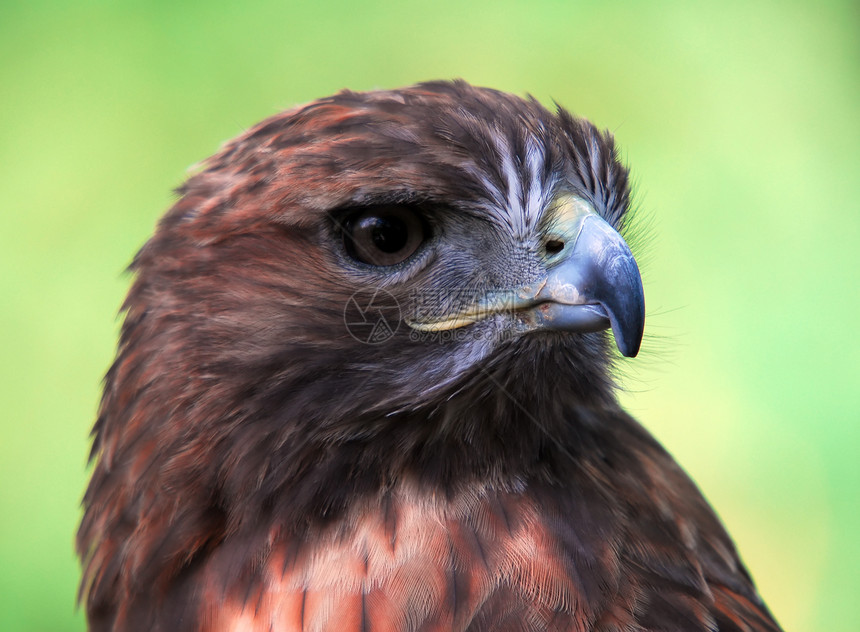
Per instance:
x=258, y=466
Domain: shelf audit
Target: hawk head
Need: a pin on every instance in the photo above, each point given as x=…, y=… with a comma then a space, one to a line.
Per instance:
x=397, y=285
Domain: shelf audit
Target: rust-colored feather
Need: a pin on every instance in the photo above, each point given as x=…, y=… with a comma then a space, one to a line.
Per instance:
x=258, y=466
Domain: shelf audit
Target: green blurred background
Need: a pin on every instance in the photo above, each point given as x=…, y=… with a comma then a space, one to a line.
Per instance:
x=741, y=121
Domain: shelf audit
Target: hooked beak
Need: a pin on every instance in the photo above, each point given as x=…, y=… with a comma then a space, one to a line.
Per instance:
x=592, y=283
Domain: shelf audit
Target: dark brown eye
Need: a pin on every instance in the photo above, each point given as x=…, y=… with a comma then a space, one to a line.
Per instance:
x=383, y=236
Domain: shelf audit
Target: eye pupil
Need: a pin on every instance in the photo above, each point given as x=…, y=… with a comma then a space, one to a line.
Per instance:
x=390, y=235
x=383, y=235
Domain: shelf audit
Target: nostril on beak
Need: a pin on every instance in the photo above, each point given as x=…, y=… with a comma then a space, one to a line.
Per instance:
x=554, y=246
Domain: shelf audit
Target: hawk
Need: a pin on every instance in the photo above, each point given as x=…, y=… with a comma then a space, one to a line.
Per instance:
x=364, y=382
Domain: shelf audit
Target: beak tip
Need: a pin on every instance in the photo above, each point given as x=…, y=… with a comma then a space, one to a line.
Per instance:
x=628, y=348
x=627, y=317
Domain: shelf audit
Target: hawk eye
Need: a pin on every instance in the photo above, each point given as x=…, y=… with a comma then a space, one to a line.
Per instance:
x=383, y=235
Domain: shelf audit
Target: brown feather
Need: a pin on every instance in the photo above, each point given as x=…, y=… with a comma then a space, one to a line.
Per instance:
x=259, y=468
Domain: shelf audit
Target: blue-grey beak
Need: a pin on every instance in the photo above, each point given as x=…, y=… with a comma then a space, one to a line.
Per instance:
x=592, y=282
